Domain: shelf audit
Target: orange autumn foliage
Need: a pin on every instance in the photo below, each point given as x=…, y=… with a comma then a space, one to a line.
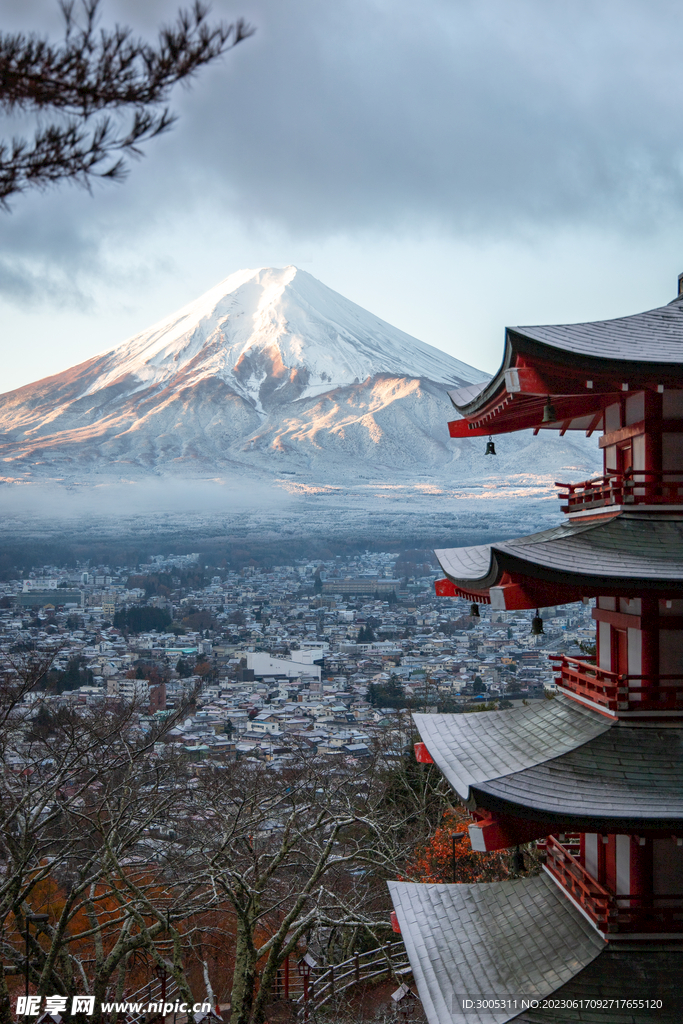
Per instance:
x=433, y=861
x=208, y=936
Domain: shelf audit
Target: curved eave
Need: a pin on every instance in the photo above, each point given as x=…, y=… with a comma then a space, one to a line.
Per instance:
x=569, y=818
x=650, y=338
x=471, y=750
x=559, y=362
x=615, y=554
x=490, y=939
x=630, y=775
x=537, y=588
x=639, y=575
x=559, y=764
x=530, y=342
x=472, y=568
x=488, y=392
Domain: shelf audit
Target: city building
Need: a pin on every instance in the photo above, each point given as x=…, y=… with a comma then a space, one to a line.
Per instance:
x=304, y=662
x=595, y=774
x=359, y=586
x=53, y=597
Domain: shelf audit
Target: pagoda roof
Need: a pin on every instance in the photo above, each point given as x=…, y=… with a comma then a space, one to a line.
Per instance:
x=492, y=939
x=655, y=336
x=523, y=937
x=580, y=368
x=559, y=762
x=622, y=779
x=474, y=749
x=616, y=974
x=590, y=555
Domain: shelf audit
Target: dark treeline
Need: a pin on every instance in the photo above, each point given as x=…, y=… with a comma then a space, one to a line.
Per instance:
x=18, y=556
x=142, y=619
x=428, y=698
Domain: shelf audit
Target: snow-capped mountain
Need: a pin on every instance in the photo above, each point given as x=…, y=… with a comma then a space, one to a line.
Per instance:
x=269, y=375
x=274, y=336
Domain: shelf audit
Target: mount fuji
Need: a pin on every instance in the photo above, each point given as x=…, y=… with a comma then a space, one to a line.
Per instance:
x=270, y=376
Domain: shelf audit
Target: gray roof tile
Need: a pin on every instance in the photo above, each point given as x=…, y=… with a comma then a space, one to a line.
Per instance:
x=620, y=974
x=651, y=339
x=471, y=749
x=491, y=939
x=655, y=336
x=627, y=546
x=623, y=773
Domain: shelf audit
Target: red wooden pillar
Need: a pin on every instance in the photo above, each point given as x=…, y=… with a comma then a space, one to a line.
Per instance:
x=653, y=436
x=650, y=640
x=611, y=863
x=641, y=866
x=602, y=859
x=619, y=639
x=641, y=878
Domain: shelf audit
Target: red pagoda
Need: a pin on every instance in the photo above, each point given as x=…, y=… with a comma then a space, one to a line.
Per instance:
x=597, y=772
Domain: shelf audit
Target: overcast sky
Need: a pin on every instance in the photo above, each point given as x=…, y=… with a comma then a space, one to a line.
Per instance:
x=453, y=166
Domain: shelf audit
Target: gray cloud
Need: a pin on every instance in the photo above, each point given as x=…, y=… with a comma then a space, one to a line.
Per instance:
x=466, y=118
x=470, y=117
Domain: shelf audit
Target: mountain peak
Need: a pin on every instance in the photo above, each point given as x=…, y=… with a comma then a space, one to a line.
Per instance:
x=281, y=322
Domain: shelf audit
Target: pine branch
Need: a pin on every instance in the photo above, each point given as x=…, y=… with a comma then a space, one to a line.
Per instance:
x=91, y=71
x=86, y=79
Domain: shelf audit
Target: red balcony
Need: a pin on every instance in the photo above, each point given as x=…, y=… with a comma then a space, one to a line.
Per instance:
x=635, y=487
x=617, y=692
x=612, y=912
x=592, y=897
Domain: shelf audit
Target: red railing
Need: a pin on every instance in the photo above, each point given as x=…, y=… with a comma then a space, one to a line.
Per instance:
x=597, y=901
x=649, y=913
x=635, y=487
x=612, y=912
x=618, y=692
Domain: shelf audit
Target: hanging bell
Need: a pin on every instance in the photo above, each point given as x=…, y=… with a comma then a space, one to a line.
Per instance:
x=549, y=414
x=537, y=625
x=490, y=447
x=474, y=611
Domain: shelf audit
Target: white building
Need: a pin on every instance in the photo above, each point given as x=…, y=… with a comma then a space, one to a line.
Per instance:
x=129, y=689
x=299, y=663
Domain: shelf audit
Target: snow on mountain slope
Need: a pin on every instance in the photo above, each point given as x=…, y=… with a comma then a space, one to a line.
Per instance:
x=282, y=324
x=269, y=375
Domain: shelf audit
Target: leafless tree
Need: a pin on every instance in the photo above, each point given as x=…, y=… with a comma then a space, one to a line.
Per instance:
x=86, y=807
x=299, y=852
x=131, y=850
x=98, y=95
